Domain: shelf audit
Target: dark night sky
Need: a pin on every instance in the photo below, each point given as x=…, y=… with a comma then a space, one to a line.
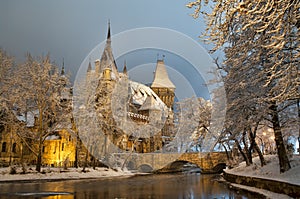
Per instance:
x=71, y=29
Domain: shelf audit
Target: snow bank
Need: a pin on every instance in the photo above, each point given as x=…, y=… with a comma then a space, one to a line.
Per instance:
x=270, y=171
x=268, y=194
x=60, y=174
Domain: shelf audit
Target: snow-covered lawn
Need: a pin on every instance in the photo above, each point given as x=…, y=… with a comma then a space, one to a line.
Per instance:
x=271, y=170
x=60, y=174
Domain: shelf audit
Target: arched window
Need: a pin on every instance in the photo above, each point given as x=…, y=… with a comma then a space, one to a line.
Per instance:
x=3, y=147
x=14, y=148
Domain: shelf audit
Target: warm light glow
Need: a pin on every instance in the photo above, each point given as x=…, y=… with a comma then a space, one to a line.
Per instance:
x=264, y=133
x=272, y=137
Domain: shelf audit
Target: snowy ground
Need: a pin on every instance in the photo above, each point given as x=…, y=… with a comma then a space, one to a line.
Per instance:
x=270, y=171
x=59, y=174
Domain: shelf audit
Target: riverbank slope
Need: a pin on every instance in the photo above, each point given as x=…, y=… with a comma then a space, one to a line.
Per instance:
x=266, y=177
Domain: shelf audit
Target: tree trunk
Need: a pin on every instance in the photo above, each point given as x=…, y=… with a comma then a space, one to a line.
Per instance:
x=241, y=151
x=39, y=155
x=39, y=162
x=22, y=159
x=10, y=147
x=228, y=155
x=261, y=156
x=129, y=155
x=76, y=152
x=254, y=146
x=40, y=143
x=248, y=151
x=298, y=106
x=77, y=146
x=94, y=163
x=85, y=160
x=284, y=162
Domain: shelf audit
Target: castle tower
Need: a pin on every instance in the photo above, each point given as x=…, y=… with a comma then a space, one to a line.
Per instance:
x=162, y=85
x=107, y=59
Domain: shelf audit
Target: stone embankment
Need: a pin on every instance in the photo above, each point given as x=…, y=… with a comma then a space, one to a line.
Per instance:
x=289, y=189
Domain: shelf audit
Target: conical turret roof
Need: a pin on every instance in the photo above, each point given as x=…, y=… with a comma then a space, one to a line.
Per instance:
x=161, y=78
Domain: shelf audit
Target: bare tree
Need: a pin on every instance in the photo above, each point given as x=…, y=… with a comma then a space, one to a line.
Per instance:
x=261, y=41
x=36, y=92
x=7, y=117
x=203, y=127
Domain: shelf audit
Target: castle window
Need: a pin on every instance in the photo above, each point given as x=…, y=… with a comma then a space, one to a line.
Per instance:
x=62, y=146
x=26, y=150
x=3, y=147
x=54, y=151
x=44, y=149
x=14, y=148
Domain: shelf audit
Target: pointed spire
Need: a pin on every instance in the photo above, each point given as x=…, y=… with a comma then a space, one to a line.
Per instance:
x=63, y=68
x=125, y=68
x=108, y=31
x=89, y=69
x=107, y=59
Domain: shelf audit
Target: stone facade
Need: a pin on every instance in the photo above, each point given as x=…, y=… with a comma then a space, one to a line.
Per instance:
x=59, y=149
x=13, y=150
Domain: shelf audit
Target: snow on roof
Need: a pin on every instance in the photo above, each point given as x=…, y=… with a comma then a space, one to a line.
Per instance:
x=66, y=94
x=141, y=92
x=150, y=104
x=53, y=137
x=28, y=118
x=161, y=78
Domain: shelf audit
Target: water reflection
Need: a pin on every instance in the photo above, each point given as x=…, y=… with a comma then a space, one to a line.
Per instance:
x=179, y=186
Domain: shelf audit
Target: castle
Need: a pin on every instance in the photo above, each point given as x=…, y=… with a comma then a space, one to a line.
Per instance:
x=141, y=122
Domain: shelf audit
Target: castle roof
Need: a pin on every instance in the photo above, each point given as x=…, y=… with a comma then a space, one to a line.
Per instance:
x=145, y=97
x=107, y=59
x=149, y=104
x=28, y=117
x=161, y=78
